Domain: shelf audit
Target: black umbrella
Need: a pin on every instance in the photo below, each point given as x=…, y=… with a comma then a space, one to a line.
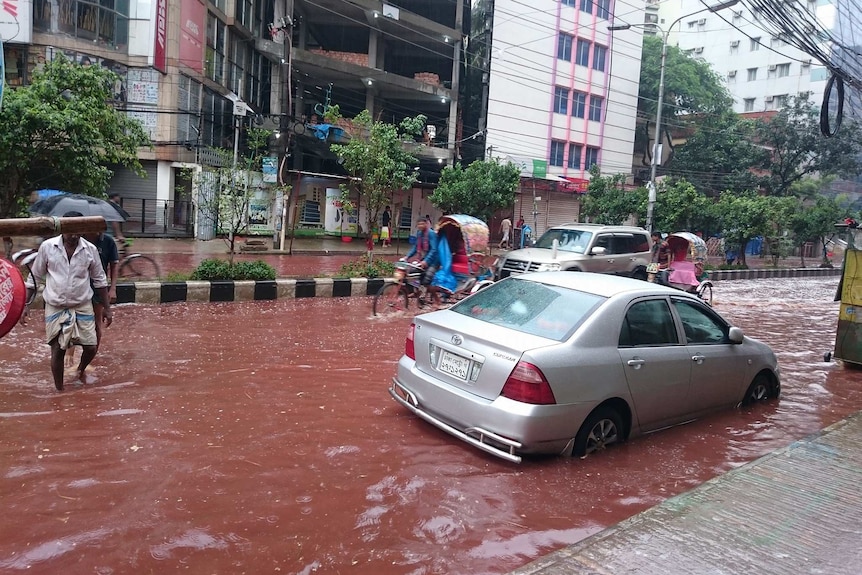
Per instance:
x=60, y=204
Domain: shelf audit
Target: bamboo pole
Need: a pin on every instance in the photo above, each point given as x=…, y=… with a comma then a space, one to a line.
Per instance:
x=50, y=226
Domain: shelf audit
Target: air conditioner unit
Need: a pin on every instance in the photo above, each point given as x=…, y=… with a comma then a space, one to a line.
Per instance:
x=698, y=50
x=701, y=22
x=772, y=67
x=770, y=98
x=806, y=63
x=734, y=44
x=731, y=74
x=738, y=13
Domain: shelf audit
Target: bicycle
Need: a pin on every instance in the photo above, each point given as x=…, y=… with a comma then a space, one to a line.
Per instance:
x=134, y=266
x=393, y=298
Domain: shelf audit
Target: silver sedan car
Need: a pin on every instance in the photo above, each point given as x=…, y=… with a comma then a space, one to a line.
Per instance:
x=561, y=362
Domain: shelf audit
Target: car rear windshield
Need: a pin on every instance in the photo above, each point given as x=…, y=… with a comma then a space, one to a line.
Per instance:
x=531, y=307
x=570, y=240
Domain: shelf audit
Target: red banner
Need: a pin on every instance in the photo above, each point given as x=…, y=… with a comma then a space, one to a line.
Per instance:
x=193, y=15
x=160, y=54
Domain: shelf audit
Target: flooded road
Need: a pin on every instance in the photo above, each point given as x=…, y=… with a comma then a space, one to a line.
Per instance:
x=259, y=438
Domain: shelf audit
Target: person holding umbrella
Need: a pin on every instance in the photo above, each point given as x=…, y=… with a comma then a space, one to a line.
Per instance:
x=66, y=264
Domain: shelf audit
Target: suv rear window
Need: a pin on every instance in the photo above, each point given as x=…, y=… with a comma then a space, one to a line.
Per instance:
x=570, y=240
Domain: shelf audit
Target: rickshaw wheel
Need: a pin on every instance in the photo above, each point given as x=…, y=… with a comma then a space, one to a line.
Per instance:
x=704, y=292
x=390, y=299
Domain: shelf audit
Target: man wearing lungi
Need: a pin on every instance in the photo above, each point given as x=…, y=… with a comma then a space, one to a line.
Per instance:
x=66, y=264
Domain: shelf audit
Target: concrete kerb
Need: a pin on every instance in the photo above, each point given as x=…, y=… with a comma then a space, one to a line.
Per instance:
x=153, y=292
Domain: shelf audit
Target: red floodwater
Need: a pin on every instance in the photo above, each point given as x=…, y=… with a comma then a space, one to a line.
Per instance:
x=259, y=438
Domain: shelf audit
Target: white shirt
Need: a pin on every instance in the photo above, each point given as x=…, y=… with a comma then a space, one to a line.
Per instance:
x=67, y=281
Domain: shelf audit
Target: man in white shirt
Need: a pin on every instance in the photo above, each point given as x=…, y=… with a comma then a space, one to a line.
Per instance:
x=66, y=264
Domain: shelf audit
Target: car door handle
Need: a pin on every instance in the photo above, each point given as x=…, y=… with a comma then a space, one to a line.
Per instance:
x=636, y=363
x=698, y=359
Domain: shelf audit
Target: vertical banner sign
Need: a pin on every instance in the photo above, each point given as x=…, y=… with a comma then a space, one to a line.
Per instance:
x=2, y=74
x=193, y=15
x=160, y=53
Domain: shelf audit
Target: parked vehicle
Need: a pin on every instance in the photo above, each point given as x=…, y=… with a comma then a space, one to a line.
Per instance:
x=620, y=250
x=567, y=363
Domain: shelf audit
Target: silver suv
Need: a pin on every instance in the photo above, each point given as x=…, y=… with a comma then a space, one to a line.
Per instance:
x=620, y=250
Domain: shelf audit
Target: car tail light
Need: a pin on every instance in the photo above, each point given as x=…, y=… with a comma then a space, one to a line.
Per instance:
x=527, y=384
x=409, y=347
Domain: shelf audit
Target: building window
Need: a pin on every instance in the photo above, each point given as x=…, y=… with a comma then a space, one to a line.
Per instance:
x=748, y=105
x=188, y=104
x=783, y=70
x=754, y=44
x=603, y=9
x=567, y=2
x=579, y=103
x=587, y=6
x=561, y=100
x=591, y=158
x=781, y=100
x=564, y=47
x=557, y=150
x=599, y=56
x=105, y=22
x=582, y=57
x=216, y=36
x=752, y=74
x=596, y=104
x=574, y=156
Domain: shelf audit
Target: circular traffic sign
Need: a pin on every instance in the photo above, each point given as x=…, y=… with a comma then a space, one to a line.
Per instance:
x=13, y=296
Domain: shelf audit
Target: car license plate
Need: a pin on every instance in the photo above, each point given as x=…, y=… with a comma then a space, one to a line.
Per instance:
x=454, y=365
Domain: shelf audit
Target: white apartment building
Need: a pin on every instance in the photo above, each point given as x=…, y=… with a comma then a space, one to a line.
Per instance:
x=760, y=68
x=562, y=94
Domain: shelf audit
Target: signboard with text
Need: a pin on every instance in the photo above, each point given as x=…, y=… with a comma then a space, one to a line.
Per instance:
x=193, y=16
x=160, y=50
x=16, y=21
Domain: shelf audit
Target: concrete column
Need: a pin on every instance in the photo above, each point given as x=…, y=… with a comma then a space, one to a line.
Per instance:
x=456, y=80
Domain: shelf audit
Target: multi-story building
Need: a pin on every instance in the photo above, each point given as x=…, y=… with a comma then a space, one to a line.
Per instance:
x=560, y=96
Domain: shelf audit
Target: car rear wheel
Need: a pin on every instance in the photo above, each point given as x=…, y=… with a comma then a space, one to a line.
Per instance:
x=602, y=428
x=759, y=390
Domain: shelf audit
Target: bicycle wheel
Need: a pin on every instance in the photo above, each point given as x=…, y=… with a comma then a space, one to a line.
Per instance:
x=390, y=299
x=139, y=267
x=704, y=292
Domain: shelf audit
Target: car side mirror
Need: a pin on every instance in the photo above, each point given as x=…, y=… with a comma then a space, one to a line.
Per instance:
x=735, y=335
x=598, y=251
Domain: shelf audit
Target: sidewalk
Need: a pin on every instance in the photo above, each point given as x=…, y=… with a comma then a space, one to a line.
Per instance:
x=797, y=510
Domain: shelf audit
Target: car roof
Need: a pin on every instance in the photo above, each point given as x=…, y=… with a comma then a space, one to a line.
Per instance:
x=597, y=227
x=599, y=284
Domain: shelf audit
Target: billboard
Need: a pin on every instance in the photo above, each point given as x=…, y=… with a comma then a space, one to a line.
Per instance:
x=160, y=51
x=16, y=21
x=193, y=16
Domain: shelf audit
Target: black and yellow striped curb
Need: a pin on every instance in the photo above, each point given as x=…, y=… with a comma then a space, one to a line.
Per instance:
x=766, y=273
x=225, y=291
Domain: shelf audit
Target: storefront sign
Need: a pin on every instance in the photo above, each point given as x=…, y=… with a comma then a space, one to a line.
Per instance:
x=160, y=54
x=192, y=20
x=16, y=21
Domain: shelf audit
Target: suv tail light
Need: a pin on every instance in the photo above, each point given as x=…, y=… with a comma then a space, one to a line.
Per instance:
x=527, y=384
x=409, y=347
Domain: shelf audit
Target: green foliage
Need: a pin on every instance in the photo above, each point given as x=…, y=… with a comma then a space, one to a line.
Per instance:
x=816, y=221
x=745, y=215
x=479, y=190
x=61, y=131
x=608, y=202
x=799, y=149
x=365, y=268
x=214, y=269
x=177, y=277
x=680, y=207
x=691, y=87
x=376, y=160
x=720, y=154
x=332, y=114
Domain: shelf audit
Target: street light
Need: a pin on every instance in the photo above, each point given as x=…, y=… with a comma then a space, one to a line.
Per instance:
x=655, y=151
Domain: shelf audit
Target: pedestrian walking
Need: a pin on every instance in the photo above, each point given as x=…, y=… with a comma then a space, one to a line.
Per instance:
x=66, y=264
x=505, y=231
x=386, y=221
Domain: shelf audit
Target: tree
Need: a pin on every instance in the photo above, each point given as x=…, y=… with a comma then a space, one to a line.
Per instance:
x=608, y=202
x=691, y=87
x=745, y=215
x=816, y=221
x=679, y=207
x=225, y=193
x=61, y=131
x=378, y=163
x=719, y=155
x=480, y=189
x=799, y=149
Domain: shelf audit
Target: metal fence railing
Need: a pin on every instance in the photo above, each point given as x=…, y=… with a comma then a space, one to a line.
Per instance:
x=167, y=218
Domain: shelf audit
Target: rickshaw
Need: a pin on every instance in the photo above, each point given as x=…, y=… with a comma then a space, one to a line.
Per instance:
x=463, y=248
x=685, y=268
